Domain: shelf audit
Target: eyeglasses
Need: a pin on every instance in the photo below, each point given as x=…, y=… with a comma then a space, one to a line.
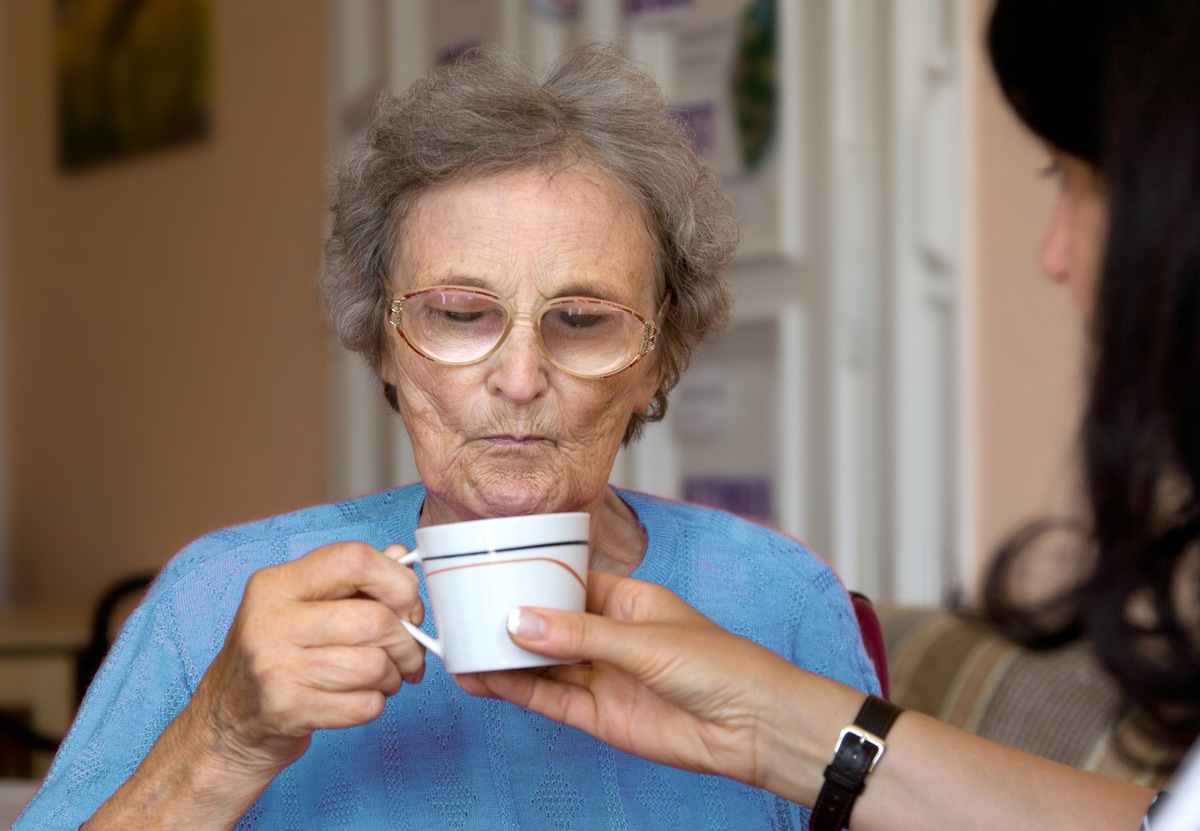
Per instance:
x=583, y=336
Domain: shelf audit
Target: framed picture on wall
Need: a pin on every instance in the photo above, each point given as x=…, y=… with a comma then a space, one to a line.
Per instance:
x=735, y=433
x=131, y=78
x=732, y=78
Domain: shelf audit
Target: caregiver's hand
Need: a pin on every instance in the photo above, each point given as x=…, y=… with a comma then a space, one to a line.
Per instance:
x=316, y=643
x=665, y=682
x=668, y=684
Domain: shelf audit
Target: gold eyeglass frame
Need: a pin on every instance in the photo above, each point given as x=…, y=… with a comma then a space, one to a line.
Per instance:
x=650, y=329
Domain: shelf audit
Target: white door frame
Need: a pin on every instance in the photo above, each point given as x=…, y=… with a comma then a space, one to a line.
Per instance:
x=878, y=468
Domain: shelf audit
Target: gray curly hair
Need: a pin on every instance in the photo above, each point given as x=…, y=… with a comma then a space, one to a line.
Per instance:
x=486, y=114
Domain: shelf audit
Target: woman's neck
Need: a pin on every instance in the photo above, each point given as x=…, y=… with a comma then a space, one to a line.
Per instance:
x=618, y=539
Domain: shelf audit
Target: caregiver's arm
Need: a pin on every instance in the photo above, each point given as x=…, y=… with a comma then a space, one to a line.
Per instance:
x=316, y=643
x=668, y=684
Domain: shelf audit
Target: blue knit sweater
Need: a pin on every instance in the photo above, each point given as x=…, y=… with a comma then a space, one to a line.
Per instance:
x=438, y=758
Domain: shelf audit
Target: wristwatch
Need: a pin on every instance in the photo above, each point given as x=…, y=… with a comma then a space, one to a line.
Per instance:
x=860, y=747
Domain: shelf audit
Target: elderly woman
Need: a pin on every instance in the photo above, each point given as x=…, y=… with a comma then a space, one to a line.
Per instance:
x=528, y=266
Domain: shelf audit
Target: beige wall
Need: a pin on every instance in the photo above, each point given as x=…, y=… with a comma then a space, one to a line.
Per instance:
x=1028, y=350
x=167, y=359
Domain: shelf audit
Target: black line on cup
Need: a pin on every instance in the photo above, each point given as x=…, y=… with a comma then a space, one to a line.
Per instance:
x=505, y=550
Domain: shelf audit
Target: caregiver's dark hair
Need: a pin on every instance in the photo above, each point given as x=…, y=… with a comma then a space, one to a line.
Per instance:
x=1117, y=83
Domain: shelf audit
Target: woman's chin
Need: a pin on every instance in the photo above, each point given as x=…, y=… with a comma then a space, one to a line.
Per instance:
x=523, y=497
x=521, y=504
x=507, y=490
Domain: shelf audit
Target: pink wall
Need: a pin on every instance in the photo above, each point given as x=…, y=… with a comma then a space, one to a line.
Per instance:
x=167, y=359
x=1028, y=350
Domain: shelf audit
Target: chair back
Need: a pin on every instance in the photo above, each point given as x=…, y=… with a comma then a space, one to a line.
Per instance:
x=872, y=635
x=109, y=613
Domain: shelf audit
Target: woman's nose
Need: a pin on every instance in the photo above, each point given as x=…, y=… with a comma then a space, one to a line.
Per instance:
x=518, y=369
x=1056, y=246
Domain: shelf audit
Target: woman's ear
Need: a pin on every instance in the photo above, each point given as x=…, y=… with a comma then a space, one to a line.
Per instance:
x=388, y=369
x=389, y=366
x=650, y=384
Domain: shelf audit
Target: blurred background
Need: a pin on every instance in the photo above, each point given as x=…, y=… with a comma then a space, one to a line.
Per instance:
x=899, y=388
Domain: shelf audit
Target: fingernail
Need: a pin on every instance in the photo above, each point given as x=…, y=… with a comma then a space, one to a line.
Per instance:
x=527, y=624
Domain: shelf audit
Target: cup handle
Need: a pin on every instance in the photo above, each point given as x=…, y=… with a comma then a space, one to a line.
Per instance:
x=434, y=645
x=411, y=557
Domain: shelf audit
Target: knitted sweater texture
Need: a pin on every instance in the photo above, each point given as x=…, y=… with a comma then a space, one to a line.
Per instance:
x=438, y=758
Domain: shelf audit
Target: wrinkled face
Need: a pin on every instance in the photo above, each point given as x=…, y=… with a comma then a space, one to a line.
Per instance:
x=1073, y=250
x=513, y=434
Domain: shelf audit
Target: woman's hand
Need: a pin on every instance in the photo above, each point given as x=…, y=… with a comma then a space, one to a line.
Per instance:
x=664, y=682
x=316, y=643
x=668, y=684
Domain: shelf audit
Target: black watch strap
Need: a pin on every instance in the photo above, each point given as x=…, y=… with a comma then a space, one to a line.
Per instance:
x=860, y=746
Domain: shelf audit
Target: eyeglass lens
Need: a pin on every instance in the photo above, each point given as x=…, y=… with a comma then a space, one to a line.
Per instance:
x=580, y=335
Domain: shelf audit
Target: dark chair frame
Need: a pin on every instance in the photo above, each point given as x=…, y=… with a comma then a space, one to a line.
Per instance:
x=103, y=622
x=87, y=661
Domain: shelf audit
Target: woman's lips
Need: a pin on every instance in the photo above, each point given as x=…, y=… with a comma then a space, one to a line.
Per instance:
x=515, y=441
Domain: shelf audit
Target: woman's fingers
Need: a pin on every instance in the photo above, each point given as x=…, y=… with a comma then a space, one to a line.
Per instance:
x=343, y=570
x=317, y=641
x=610, y=631
x=348, y=668
x=350, y=622
x=313, y=711
x=569, y=636
x=561, y=694
x=630, y=600
x=326, y=687
x=346, y=594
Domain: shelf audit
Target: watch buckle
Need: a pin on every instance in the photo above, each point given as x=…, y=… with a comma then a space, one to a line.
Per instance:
x=865, y=739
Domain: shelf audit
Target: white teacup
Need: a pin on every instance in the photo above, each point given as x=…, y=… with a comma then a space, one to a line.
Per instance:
x=477, y=572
